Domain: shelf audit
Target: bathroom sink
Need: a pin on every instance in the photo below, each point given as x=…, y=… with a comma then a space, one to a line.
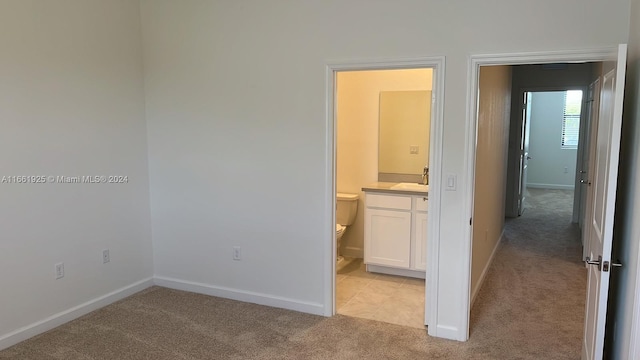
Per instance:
x=410, y=187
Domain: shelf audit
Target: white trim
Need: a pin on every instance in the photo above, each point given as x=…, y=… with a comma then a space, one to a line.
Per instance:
x=73, y=313
x=546, y=57
x=550, y=186
x=418, y=274
x=447, y=332
x=329, y=253
x=353, y=251
x=437, y=63
x=241, y=295
x=486, y=269
x=434, y=207
x=474, y=63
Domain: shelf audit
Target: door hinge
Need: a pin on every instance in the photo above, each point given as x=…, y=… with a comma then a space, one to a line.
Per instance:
x=470, y=221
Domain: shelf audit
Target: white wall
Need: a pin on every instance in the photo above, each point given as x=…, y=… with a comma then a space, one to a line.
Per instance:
x=550, y=167
x=623, y=318
x=71, y=104
x=236, y=110
x=357, y=113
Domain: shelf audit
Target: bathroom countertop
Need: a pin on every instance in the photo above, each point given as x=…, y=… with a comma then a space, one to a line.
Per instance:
x=385, y=187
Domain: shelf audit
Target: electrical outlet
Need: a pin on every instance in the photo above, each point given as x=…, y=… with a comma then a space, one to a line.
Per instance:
x=237, y=254
x=59, y=271
x=414, y=149
x=566, y=170
x=105, y=256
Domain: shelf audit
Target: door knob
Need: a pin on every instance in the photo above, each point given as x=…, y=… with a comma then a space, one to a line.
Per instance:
x=606, y=265
x=594, y=262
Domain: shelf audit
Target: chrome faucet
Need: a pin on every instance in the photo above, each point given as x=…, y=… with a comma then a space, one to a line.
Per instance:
x=425, y=176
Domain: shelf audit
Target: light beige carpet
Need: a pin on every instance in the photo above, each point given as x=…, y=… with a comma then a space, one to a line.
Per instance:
x=534, y=295
x=531, y=307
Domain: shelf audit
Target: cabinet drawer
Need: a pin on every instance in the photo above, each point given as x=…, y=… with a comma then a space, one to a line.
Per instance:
x=388, y=201
x=421, y=203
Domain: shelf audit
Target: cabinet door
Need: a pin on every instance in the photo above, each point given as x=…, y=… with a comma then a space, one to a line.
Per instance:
x=387, y=237
x=420, y=233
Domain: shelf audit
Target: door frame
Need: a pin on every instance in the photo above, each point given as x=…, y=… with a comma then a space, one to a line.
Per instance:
x=437, y=63
x=474, y=63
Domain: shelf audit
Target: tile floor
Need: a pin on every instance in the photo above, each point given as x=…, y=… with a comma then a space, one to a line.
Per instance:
x=392, y=299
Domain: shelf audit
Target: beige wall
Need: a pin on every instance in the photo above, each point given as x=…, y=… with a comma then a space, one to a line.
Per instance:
x=491, y=167
x=358, y=94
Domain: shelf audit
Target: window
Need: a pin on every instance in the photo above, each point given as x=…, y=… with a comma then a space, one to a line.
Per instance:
x=571, y=119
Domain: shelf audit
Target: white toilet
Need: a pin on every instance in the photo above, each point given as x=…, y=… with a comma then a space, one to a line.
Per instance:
x=346, y=209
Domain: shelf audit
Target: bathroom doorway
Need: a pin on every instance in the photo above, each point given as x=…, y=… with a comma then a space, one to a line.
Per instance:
x=355, y=105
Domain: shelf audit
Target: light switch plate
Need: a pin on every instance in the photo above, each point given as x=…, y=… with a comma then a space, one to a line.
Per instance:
x=451, y=183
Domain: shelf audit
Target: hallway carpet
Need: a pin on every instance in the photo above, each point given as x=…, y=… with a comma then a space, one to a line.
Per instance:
x=530, y=307
x=535, y=290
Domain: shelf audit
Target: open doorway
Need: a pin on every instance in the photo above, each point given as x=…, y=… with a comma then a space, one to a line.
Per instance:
x=533, y=264
x=382, y=135
x=551, y=125
x=347, y=263
x=539, y=130
x=550, y=143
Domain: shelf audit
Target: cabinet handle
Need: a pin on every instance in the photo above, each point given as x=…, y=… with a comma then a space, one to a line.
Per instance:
x=425, y=199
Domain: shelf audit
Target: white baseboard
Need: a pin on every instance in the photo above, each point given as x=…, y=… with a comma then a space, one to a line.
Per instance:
x=73, y=313
x=420, y=274
x=354, y=252
x=485, y=270
x=241, y=295
x=445, y=332
x=550, y=186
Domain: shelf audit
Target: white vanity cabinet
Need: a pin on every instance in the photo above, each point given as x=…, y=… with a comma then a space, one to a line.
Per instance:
x=395, y=233
x=420, y=204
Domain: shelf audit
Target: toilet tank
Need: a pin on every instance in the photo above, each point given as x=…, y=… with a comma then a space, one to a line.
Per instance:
x=346, y=208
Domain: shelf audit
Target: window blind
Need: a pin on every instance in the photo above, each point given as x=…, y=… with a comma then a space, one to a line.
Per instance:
x=571, y=119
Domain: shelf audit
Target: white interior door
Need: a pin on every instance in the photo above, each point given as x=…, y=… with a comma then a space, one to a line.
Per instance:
x=524, y=151
x=582, y=163
x=588, y=166
x=604, y=197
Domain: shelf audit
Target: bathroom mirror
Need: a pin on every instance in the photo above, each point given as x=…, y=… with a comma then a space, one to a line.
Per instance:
x=403, y=141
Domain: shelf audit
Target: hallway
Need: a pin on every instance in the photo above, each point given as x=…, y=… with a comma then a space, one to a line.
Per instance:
x=533, y=297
